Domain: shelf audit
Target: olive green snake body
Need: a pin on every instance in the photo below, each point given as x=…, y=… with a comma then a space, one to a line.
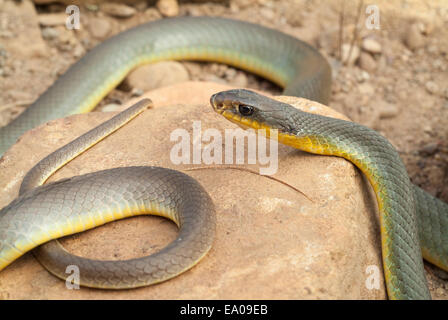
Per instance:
x=42, y=213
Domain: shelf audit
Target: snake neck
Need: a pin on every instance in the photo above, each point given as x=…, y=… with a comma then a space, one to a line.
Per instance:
x=380, y=162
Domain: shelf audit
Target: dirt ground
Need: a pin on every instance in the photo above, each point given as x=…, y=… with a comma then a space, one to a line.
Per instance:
x=395, y=79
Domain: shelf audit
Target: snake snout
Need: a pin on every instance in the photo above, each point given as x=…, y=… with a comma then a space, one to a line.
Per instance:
x=216, y=102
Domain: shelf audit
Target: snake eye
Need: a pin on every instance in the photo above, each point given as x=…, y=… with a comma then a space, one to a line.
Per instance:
x=246, y=110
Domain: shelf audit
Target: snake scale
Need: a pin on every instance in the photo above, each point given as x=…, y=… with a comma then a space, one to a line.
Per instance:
x=412, y=221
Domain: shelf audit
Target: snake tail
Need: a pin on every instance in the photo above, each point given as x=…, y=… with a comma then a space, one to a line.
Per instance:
x=47, y=212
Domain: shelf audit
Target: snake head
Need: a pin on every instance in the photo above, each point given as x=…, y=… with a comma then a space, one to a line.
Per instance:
x=249, y=109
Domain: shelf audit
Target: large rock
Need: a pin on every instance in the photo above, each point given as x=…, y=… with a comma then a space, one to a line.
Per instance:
x=312, y=232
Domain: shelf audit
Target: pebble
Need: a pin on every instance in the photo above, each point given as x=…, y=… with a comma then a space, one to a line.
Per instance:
x=78, y=51
x=362, y=76
x=99, y=28
x=355, y=52
x=230, y=73
x=50, y=33
x=432, y=87
x=426, y=28
x=433, y=49
x=438, y=64
x=371, y=45
x=66, y=37
x=152, y=14
x=430, y=148
x=267, y=13
x=367, y=62
x=366, y=89
x=157, y=75
x=440, y=292
x=118, y=10
x=442, y=274
x=136, y=92
x=52, y=19
x=240, y=80
x=387, y=110
x=427, y=129
x=413, y=38
x=168, y=8
x=141, y=5
x=92, y=7
x=213, y=78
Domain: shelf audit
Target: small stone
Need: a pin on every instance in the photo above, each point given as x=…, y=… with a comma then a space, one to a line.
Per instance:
x=440, y=292
x=168, y=8
x=141, y=5
x=267, y=13
x=426, y=27
x=371, y=45
x=367, y=62
x=230, y=73
x=66, y=37
x=99, y=28
x=152, y=14
x=240, y=80
x=52, y=19
x=433, y=49
x=432, y=87
x=136, y=92
x=79, y=51
x=354, y=55
x=442, y=274
x=427, y=129
x=430, y=149
x=365, y=76
x=413, y=38
x=50, y=33
x=366, y=89
x=92, y=7
x=213, y=78
x=118, y=10
x=387, y=110
x=438, y=64
x=362, y=76
x=157, y=75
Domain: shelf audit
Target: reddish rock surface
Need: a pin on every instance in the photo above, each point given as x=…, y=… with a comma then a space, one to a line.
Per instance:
x=310, y=234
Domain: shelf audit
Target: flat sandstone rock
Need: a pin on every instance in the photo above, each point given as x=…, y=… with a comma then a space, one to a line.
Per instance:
x=310, y=233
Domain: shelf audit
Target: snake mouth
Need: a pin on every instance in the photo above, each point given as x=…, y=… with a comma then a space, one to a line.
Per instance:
x=225, y=102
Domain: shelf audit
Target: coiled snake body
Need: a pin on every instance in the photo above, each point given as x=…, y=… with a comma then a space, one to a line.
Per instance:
x=43, y=213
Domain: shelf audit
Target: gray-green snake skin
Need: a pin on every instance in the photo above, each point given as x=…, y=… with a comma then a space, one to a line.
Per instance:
x=276, y=56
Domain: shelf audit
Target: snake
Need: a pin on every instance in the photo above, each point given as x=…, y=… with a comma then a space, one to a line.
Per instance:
x=413, y=223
